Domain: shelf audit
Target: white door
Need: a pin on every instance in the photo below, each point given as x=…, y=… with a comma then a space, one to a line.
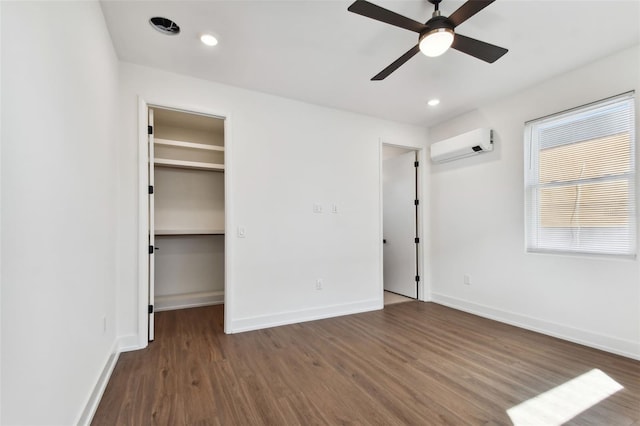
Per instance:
x=152, y=238
x=399, y=224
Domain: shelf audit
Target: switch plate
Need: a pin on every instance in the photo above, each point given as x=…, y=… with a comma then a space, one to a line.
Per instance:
x=319, y=284
x=317, y=208
x=241, y=232
x=467, y=279
x=334, y=208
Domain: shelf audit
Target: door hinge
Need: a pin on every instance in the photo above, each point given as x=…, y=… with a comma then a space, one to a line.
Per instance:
x=417, y=278
x=150, y=309
x=416, y=240
x=416, y=202
x=149, y=130
x=150, y=189
x=150, y=249
x=416, y=164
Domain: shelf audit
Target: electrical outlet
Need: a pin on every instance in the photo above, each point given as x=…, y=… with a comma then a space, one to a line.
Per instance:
x=319, y=284
x=467, y=279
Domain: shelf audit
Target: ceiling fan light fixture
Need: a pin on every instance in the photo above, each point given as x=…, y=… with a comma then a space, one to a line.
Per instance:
x=436, y=42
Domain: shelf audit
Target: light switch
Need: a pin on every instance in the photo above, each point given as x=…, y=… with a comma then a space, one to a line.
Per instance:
x=334, y=208
x=317, y=208
x=241, y=232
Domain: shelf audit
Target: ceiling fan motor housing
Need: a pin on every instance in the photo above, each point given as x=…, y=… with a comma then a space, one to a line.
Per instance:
x=434, y=24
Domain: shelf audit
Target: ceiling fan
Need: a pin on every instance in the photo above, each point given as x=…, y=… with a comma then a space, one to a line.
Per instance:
x=436, y=35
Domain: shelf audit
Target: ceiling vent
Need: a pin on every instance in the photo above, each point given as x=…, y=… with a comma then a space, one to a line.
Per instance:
x=165, y=25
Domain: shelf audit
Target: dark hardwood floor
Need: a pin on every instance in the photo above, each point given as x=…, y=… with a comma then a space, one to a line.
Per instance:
x=411, y=363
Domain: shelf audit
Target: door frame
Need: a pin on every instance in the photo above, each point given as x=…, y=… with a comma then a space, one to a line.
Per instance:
x=143, y=210
x=424, y=285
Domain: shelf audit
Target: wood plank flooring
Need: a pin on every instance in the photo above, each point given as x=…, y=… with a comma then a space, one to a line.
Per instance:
x=411, y=363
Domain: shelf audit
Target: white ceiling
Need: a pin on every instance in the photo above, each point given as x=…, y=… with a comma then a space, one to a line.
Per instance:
x=318, y=52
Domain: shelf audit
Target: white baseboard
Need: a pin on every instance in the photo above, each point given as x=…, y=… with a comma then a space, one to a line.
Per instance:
x=627, y=348
x=293, y=317
x=190, y=300
x=129, y=343
x=98, y=390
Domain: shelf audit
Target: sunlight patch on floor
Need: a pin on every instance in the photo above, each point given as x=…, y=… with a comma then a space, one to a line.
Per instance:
x=562, y=403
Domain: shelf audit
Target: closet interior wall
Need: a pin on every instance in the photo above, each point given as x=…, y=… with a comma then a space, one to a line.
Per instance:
x=189, y=209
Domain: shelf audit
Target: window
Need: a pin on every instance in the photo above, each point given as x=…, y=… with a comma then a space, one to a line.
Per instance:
x=579, y=180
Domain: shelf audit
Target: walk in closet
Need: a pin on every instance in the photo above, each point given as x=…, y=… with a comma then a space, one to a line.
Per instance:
x=186, y=209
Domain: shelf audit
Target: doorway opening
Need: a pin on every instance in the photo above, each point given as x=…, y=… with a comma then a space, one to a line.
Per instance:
x=183, y=202
x=401, y=224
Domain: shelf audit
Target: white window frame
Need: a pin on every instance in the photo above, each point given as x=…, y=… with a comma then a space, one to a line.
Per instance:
x=535, y=241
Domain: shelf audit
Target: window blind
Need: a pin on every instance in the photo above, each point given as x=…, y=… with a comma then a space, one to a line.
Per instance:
x=580, y=179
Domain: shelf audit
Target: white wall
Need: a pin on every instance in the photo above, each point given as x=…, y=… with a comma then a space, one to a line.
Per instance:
x=1, y=217
x=59, y=99
x=283, y=156
x=478, y=225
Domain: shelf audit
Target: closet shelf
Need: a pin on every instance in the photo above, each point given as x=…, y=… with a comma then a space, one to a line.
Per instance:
x=190, y=145
x=189, y=232
x=165, y=162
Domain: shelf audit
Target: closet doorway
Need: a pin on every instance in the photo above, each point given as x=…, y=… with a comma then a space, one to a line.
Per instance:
x=186, y=210
x=400, y=222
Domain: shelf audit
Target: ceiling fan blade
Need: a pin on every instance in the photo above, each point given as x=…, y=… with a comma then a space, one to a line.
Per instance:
x=397, y=63
x=479, y=49
x=370, y=10
x=467, y=10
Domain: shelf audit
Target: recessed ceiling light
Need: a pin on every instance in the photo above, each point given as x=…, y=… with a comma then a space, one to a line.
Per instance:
x=433, y=102
x=208, y=39
x=164, y=25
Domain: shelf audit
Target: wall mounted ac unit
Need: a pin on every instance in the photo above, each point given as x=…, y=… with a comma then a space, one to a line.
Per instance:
x=467, y=144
